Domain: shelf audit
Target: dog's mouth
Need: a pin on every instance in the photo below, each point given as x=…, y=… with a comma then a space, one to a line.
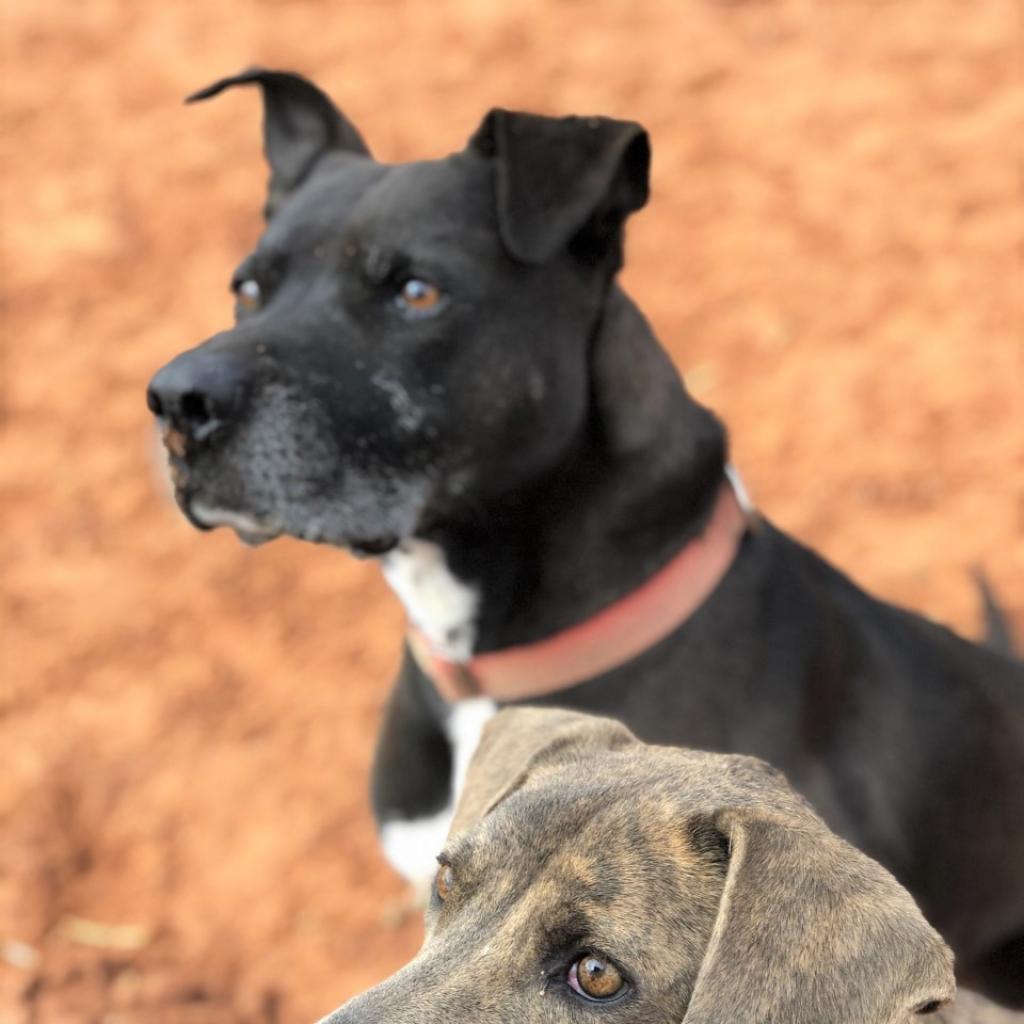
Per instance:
x=254, y=531
x=208, y=515
x=213, y=496
x=374, y=547
x=248, y=529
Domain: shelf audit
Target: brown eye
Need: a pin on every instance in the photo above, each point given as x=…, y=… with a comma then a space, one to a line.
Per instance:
x=444, y=881
x=418, y=297
x=595, y=978
x=249, y=296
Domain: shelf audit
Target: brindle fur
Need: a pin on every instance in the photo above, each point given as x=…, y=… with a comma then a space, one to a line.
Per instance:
x=714, y=887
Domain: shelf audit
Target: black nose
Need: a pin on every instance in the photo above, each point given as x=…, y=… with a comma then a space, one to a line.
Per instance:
x=199, y=392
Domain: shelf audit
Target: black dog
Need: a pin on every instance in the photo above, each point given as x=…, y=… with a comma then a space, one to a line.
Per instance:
x=432, y=364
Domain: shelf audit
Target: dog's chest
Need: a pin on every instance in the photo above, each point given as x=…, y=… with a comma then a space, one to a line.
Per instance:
x=442, y=607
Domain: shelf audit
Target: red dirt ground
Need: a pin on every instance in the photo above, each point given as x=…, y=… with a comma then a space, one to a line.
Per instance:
x=832, y=252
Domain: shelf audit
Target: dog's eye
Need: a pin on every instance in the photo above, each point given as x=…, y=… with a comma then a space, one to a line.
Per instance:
x=595, y=977
x=419, y=298
x=444, y=881
x=249, y=295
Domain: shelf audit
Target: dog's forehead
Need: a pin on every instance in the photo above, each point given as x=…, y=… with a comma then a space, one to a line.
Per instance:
x=443, y=201
x=590, y=859
x=614, y=809
x=324, y=204
x=640, y=819
x=421, y=208
x=645, y=779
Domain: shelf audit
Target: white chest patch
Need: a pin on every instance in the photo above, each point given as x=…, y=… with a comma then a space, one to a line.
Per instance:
x=440, y=606
x=412, y=846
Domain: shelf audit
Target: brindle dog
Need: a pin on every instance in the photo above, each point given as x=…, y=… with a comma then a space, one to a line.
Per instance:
x=589, y=877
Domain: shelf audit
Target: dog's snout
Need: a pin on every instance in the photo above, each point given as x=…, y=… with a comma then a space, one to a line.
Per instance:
x=198, y=392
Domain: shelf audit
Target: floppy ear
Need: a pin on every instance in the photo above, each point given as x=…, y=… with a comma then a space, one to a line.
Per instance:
x=810, y=930
x=300, y=125
x=564, y=180
x=518, y=742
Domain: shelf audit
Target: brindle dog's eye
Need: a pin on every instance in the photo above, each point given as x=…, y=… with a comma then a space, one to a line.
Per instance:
x=249, y=296
x=419, y=298
x=595, y=977
x=444, y=881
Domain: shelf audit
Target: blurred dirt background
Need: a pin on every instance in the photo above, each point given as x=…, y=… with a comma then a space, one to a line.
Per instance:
x=833, y=253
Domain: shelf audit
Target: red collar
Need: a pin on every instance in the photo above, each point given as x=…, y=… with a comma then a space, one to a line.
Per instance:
x=611, y=637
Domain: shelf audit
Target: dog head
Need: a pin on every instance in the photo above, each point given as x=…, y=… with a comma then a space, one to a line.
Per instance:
x=410, y=339
x=588, y=877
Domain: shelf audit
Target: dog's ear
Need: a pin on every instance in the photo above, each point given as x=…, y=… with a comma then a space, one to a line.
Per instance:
x=300, y=125
x=811, y=930
x=518, y=743
x=560, y=182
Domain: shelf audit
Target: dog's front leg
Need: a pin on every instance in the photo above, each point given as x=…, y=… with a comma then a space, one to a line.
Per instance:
x=412, y=776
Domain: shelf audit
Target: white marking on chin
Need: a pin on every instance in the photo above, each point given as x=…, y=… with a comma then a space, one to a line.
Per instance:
x=412, y=846
x=210, y=516
x=438, y=604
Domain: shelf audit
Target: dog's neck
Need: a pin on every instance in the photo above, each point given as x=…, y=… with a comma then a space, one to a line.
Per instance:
x=636, y=483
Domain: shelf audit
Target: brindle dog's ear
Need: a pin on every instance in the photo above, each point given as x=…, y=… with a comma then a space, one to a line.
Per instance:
x=564, y=181
x=811, y=930
x=519, y=742
x=300, y=125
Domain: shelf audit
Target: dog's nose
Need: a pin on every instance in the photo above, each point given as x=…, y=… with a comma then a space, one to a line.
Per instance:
x=199, y=391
